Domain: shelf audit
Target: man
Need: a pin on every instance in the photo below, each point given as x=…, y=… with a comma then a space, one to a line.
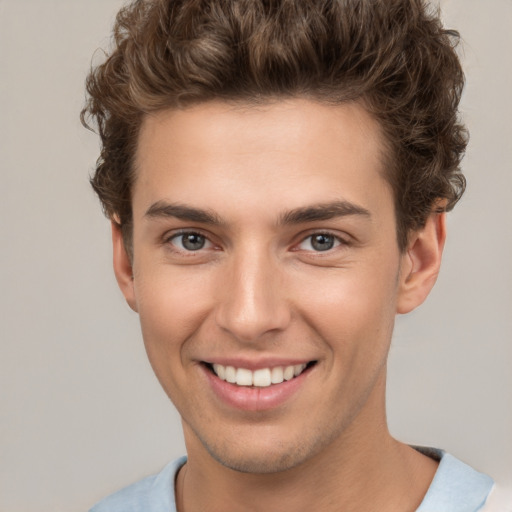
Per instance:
x=277, y=176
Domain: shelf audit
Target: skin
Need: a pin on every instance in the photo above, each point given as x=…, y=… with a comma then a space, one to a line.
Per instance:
x=259, y=290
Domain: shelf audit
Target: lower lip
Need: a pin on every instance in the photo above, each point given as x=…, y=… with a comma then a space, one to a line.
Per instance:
x=255, y=398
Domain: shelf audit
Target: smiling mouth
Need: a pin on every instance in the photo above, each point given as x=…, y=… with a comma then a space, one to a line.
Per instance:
x=263, y=377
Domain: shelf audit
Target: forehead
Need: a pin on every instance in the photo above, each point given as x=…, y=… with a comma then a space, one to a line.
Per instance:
x=290, y=152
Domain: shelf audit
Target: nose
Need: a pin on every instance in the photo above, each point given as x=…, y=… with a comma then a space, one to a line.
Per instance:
x=252, y=300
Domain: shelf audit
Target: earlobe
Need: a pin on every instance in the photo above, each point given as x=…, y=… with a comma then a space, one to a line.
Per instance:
x=123, y=266
x=421, y=263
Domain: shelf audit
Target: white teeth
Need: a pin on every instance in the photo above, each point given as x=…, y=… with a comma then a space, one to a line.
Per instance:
x=277, y=375
x=297, y=369
x=289, y=372
x=230, y=374
x=220, y=371
x=243, y=377
x=261, y=378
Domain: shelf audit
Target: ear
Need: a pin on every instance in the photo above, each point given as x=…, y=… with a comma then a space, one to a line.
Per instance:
x=421, y=263
x=123, y=266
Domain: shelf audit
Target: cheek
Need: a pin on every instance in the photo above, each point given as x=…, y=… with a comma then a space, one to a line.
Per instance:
x=172, y=305
x=352, y=310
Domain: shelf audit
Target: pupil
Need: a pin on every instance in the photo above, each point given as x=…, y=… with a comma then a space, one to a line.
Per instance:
x=322, y=242
x=193, y=241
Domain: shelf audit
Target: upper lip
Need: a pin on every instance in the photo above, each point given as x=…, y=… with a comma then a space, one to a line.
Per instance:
x=256, y=364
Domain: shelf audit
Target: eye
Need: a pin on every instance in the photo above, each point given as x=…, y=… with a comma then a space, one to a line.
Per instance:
x=319, y=242
x=190, y=241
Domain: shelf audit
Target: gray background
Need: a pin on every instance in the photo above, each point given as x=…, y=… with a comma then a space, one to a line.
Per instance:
x=81, y=413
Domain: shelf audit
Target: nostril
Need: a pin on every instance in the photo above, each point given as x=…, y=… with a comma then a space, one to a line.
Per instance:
x=252, y=323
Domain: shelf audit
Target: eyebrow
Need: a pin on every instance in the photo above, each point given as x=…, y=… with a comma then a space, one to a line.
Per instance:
x=324, y=211
x=178, y=211
x=318, y=212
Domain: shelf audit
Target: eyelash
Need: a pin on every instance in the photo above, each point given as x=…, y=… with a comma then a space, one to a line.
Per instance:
x=337, y=240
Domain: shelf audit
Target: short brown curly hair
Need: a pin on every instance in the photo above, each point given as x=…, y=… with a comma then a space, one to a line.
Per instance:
x=394, y=56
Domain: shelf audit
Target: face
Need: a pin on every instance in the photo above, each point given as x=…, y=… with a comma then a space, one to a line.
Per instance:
x=266, y=274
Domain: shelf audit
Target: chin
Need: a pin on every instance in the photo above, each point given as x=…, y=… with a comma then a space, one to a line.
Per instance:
x=258, y=463
x=266, y=454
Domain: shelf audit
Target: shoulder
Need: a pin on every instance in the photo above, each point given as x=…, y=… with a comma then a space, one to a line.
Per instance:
x=456, y=487
x=152, y=494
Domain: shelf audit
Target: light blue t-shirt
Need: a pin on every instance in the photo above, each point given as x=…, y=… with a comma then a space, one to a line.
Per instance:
x=456, y=487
